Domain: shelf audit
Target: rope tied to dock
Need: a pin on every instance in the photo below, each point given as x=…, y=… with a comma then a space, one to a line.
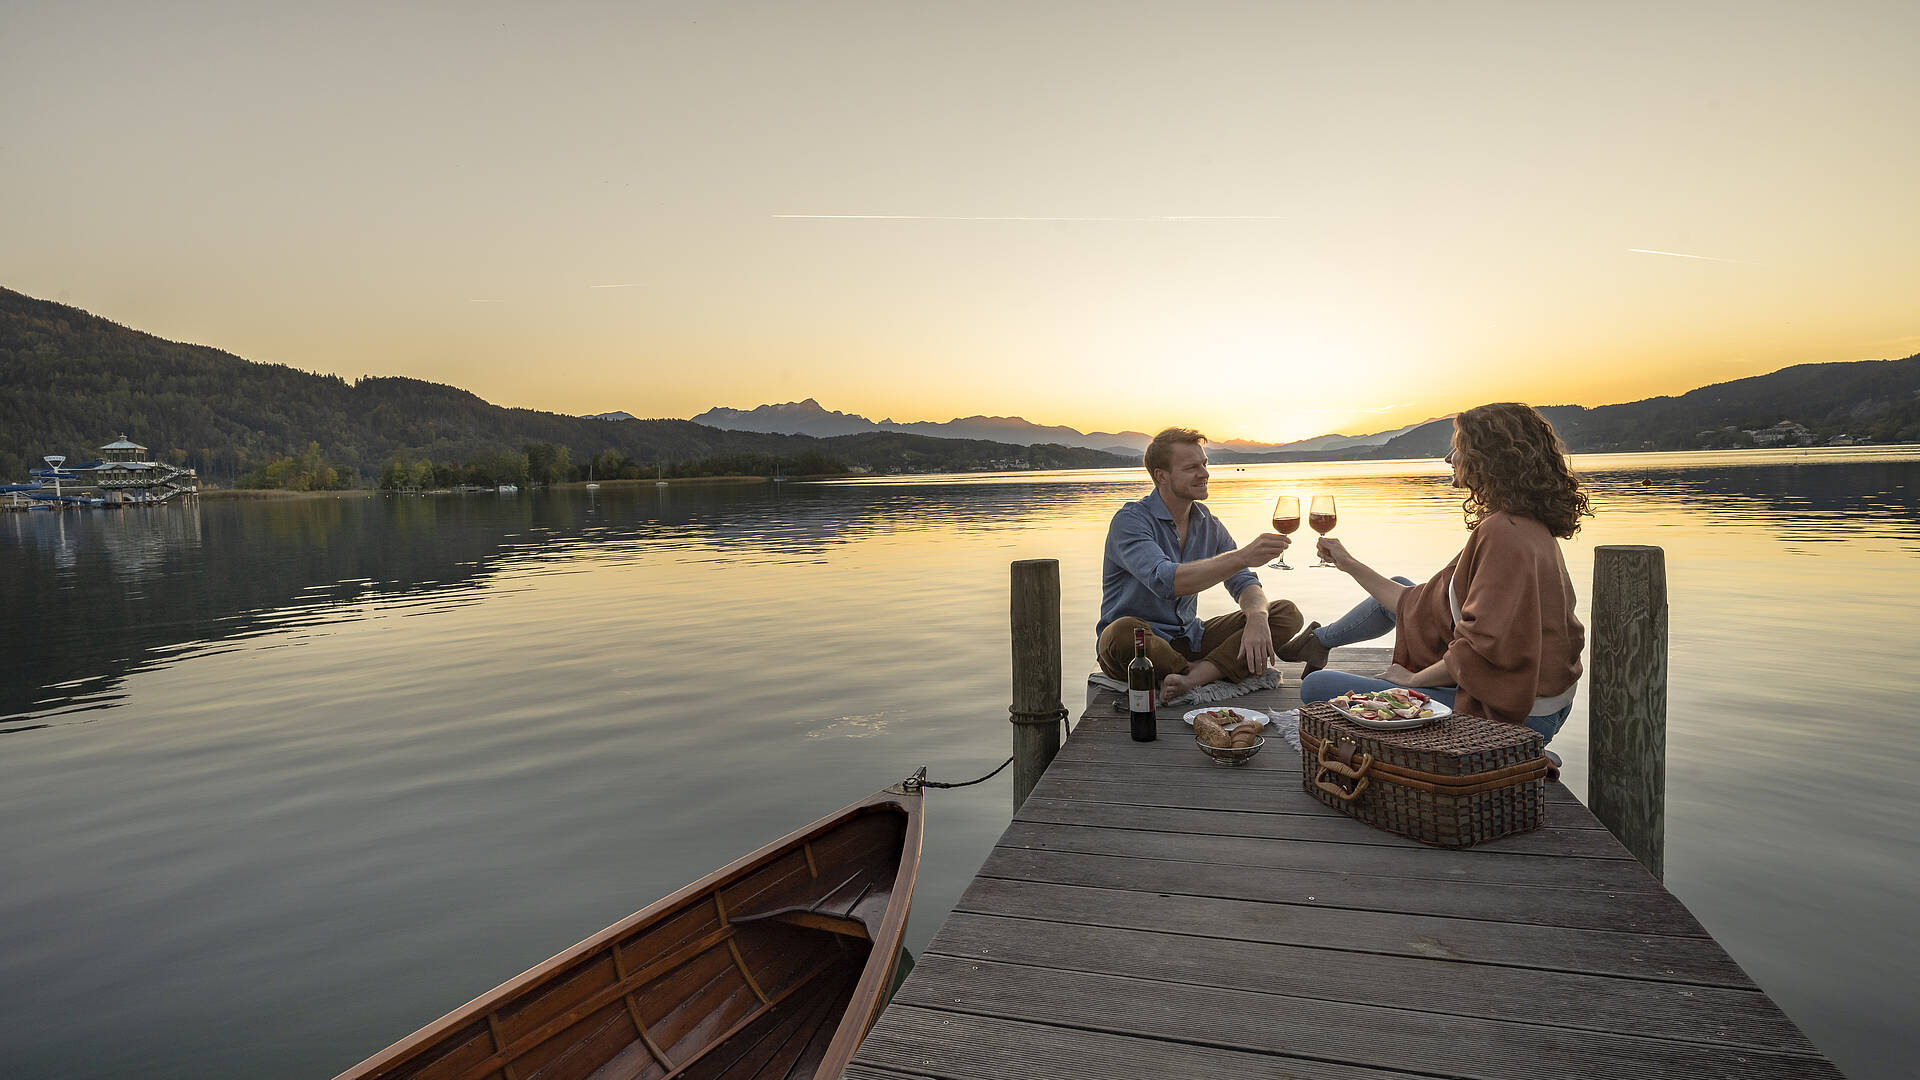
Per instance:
x=968, y=783
x=1059, y=716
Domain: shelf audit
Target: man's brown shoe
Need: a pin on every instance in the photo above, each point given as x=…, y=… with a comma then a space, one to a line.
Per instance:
x=1305, y=649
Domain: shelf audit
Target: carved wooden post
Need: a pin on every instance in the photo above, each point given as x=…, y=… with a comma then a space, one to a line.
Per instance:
x=1036, y=711
x=1627, y=699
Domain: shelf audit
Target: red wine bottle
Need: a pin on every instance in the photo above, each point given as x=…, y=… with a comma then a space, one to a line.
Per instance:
x=1140, y=690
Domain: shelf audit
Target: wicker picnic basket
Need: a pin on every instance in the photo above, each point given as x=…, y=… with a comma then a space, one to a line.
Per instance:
x=1454, y=783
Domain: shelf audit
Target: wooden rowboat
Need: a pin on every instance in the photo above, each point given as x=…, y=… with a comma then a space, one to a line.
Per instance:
x=773, y=968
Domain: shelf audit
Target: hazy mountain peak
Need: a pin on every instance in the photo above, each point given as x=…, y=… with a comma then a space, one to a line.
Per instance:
x=809, y=417
x=805, y=417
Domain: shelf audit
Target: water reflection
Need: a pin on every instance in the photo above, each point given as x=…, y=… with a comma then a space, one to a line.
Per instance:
x=95, y=597
x=1804, y=501
x=442, y=694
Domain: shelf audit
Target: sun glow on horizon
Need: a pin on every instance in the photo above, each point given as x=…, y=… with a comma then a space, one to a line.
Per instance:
x=1296, y=227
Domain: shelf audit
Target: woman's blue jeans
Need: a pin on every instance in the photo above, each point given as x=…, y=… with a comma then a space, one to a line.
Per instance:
x=1370, y=619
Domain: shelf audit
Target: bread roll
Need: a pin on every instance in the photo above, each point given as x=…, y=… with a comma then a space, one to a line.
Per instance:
x=1210, y=732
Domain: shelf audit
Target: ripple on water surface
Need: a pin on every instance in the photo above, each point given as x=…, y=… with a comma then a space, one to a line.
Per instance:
x=261, y=756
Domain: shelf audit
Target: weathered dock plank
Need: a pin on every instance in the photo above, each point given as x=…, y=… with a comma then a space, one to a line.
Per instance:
x=1201, y=772
x=1176, y=789
x=1586, y=909
x=1328, y=828
x=1593, y=1002
x=1398, y=863
x=1320, y=1030
x=1635, y=956
x=1149, y=913
x=916, y=1041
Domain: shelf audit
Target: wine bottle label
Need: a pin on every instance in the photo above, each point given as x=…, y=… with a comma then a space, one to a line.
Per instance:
x=1140, y=701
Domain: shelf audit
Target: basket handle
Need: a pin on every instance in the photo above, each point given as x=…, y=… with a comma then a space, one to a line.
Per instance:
x=1355, y=775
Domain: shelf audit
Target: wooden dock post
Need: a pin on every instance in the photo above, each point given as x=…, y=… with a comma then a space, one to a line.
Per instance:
x=1036, y=711
x=1627, y=699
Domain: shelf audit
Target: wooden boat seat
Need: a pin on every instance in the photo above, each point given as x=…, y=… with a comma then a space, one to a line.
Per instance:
x=853, y=908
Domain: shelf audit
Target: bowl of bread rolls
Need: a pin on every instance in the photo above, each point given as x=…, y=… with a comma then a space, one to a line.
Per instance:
x=1226, y=737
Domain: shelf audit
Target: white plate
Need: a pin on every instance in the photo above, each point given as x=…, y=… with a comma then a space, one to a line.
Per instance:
x=1254, y=715
x=1440, y=712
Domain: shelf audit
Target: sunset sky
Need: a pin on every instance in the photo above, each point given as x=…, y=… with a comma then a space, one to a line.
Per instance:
x=1268, y=220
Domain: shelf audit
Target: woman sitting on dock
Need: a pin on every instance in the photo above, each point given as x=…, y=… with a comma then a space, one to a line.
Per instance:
x=1493, y=633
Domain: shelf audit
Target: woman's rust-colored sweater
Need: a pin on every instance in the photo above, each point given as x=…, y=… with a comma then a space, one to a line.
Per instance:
x=1517, y=639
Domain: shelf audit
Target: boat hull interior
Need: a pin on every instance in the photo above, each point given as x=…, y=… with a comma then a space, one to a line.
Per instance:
x=751, y=974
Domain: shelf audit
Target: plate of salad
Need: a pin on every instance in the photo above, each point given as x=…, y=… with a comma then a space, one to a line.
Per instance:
x=1389, y=710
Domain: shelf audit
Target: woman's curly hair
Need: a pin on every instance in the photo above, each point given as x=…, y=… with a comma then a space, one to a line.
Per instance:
x=1511, y=461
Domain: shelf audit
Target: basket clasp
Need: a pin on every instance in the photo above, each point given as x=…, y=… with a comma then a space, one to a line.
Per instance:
x=1343, y=773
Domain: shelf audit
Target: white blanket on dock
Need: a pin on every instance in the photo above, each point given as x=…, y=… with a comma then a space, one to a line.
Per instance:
x=1218, y=690
x=1286, y=724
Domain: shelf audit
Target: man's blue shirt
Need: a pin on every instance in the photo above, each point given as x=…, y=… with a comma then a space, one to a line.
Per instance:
x=1136, y=577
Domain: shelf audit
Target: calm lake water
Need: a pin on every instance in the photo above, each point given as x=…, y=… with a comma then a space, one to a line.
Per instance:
x=281, y=781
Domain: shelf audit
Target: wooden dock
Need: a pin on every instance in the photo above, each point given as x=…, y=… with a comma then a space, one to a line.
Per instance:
x=1150, y=913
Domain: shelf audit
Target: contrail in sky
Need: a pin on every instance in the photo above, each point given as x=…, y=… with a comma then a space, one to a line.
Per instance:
x=1383, y=408
x=471, y=300
x=1684, y=255
x=944, y=217
x=622, y=285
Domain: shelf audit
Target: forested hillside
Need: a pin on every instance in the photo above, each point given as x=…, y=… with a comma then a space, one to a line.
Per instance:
x=1872, y=400
x=1879, y=399
x=70, y=382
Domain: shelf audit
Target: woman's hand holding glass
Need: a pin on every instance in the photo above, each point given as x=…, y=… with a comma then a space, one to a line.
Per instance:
x=1322, y=516
x=1333, y=553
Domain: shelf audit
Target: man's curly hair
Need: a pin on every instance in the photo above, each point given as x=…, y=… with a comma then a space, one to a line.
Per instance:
x=1511, y=461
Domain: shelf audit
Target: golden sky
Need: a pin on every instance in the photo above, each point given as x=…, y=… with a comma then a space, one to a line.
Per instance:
x=1268, y=220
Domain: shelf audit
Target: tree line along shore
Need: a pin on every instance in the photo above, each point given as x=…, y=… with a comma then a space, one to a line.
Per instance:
x=69, y=379
x=246, y=494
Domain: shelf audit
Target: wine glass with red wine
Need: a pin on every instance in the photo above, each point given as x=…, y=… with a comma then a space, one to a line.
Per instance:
x=1286, y=518
x=1321, y=516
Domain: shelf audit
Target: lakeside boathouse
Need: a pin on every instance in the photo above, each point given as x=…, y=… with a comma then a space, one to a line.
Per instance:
x=123, y=475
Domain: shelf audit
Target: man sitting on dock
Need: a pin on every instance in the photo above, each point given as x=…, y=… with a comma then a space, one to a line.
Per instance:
x=1162, y=551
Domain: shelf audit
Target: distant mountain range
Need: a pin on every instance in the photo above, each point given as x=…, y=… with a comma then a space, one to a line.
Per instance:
x=809, y=417
x=71, y=381
x=1327, y=442
x=1853, y=401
